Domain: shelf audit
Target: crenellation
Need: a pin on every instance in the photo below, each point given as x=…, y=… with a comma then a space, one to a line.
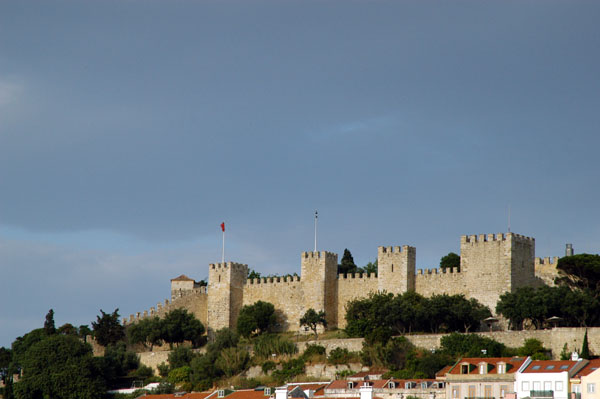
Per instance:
x=491, y=264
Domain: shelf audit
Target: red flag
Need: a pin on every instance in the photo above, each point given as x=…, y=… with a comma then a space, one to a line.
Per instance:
x=223, y=227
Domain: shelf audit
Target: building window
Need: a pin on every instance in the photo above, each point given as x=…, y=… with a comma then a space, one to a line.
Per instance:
x=559, y=386
x=501, y=368
x=350, y=385
x=487, y=391
x=455, y=392
x=464, y=369
x=547, y=385
x=392, y=385
x=537, y=385
x=591, y=388
x=472, y=391
x=482, y=369
x=525, y=386
x=503, y=390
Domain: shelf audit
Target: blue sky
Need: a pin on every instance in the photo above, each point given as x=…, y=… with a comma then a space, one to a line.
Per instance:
x=129, y=130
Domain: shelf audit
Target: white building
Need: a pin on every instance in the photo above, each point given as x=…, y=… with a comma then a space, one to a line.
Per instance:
x=546, y=379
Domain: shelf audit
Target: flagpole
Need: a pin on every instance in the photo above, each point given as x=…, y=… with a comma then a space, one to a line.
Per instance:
x=316, y=218
x=223, y=253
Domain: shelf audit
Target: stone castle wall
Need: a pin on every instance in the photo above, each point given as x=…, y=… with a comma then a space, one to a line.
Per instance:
x=490, y=265
x=350, y=287
x=285, y=293
x=438, y=281
x=194, y=301
x=545, y=269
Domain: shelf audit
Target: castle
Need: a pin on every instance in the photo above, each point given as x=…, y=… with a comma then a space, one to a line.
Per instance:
x=489, y=266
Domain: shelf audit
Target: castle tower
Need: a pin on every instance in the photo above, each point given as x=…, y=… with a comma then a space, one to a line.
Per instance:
x=494, y=264
x=396, y=269
x=226, y=292
x=319, y=283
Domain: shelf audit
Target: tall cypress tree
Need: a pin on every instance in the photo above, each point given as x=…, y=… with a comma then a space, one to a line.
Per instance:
x=585, y=348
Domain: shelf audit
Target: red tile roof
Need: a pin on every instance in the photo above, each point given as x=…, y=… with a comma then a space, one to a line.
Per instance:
x=183, y=277
x=550, y=366
x=592, y=366
x=513, y=364
x=247, y=394
x=318, y=387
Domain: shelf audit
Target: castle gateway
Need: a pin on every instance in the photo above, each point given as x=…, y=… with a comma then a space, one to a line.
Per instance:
x=489, y=266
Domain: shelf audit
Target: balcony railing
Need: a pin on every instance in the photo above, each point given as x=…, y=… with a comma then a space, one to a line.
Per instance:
x=541, y=394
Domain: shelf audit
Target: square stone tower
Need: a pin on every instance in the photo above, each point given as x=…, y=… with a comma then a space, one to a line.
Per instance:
x=396, y=269
x=494, y=264
x=319, y=283
x=226, y=293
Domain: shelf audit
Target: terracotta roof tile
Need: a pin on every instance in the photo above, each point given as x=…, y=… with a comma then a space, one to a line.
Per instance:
x=513, y=364
x=550, y=366
x=183, y=277
x=589, y=368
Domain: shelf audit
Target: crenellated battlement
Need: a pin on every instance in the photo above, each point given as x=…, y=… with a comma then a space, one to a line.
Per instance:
x=227, y=265
x=490, y=264
x=357, y=276
x=448, y=270
x=319, y=255
x=474, y=238
x=394, y=250
x=272, y=280
x=546, y=261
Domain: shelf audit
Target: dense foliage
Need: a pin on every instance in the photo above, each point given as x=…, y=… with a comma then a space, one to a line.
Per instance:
x=451, y=260
x=60, y=366
x=382, y=315
x=256, y=319
x=312, y=319
x=580, y=272
x=176, y=327
x=108, y=329
x=537, y=305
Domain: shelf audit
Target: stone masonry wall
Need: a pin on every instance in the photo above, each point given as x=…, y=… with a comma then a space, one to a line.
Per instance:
x=490, y=265
x=437, y=281
x=194, y=301
x=545, y=269
x=553, y=339
x=353, y=286
x=285, y=293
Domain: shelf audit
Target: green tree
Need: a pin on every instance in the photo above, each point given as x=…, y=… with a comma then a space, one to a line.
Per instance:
x=534, y=348
x=371, y=267
x=180, y=326
x=256, y=319
x=108, y=329
x=580, y=272
x=252, y=274
x=83, y=331
x=312, y=319
x=347, y=264
x=60, y=366
x=232, y=361
x=180, y=357
x=564, y=353
x=585, y=347
x=451, y=260
x=49, y=327
x=67, y=329
x=5, y=361
x=472, y=345
x=148, y=332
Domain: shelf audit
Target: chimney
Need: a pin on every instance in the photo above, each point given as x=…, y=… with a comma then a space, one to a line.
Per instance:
x=569, y=250
x=281, y=393
x=366, y=391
